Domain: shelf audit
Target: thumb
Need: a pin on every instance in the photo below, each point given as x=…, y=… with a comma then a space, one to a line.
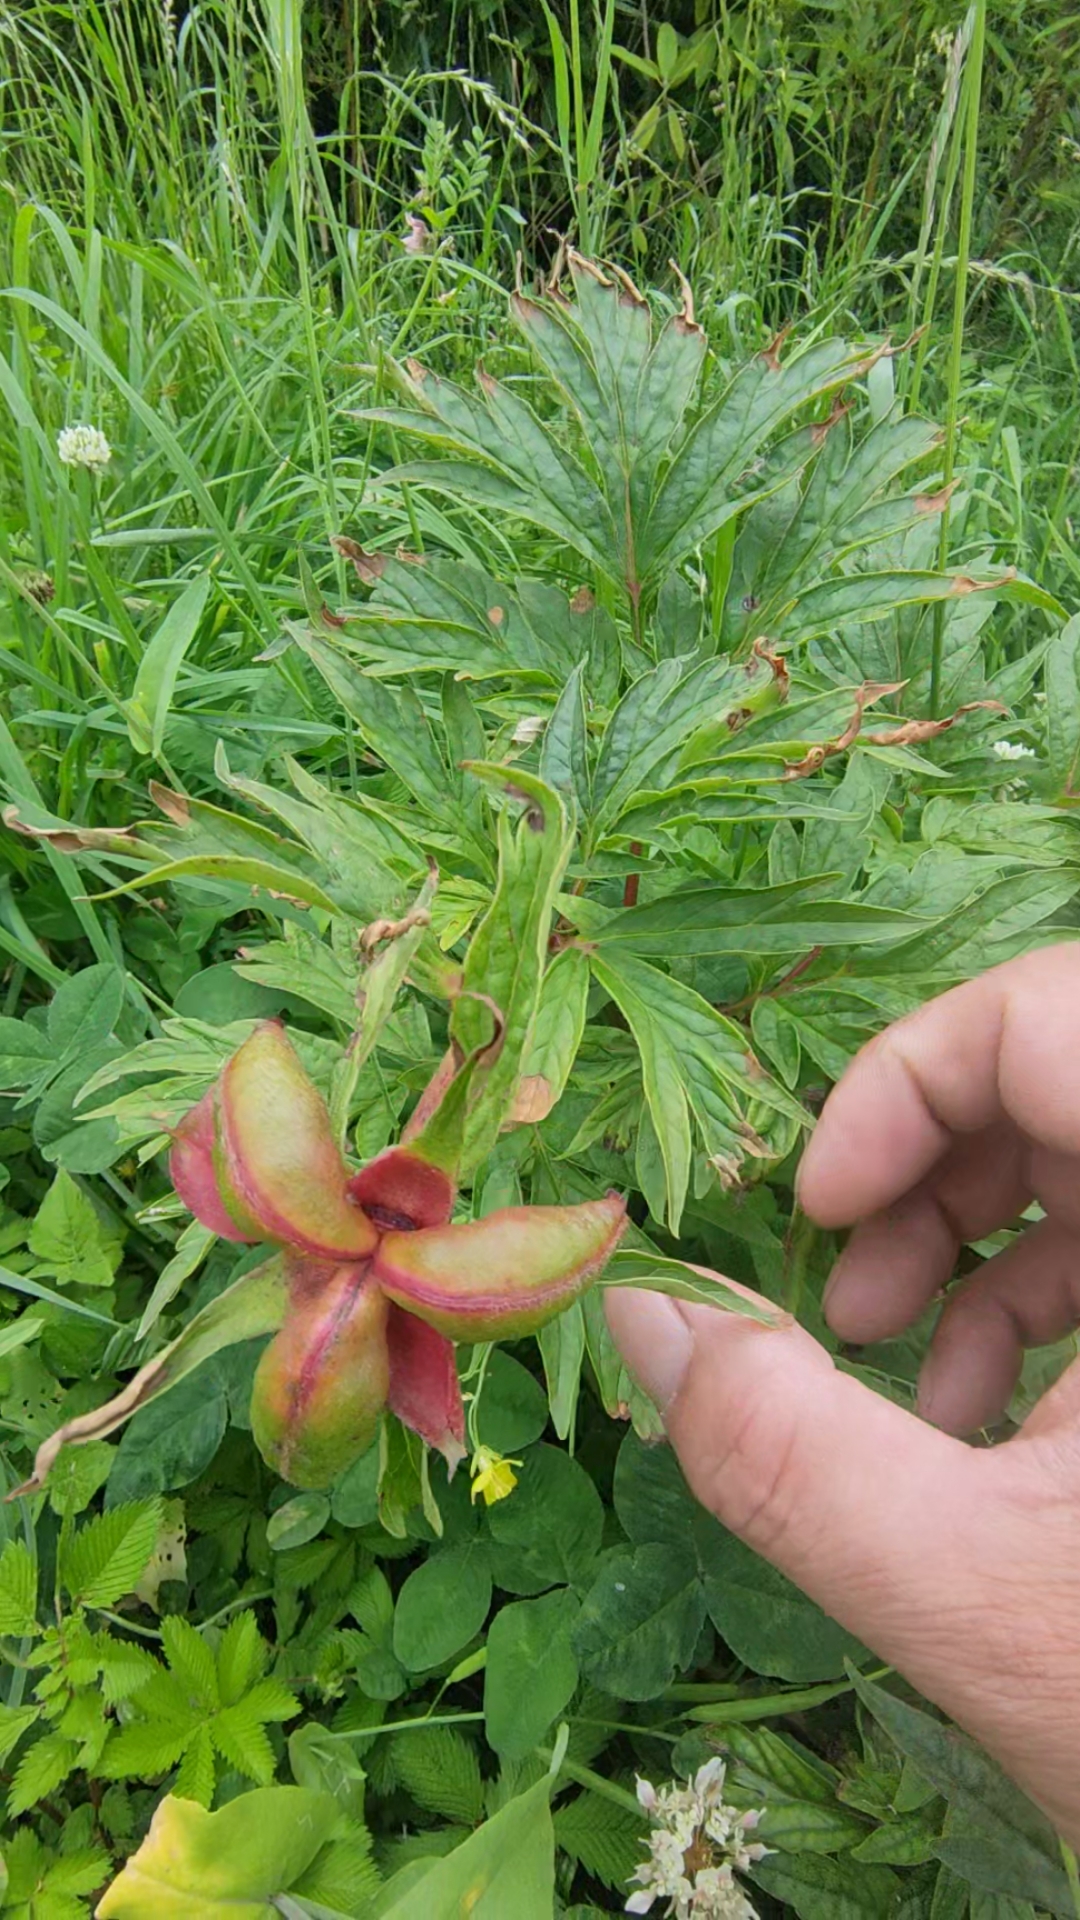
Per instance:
x=888, y=1524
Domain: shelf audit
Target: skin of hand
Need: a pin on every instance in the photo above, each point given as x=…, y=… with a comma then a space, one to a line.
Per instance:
x=958, y=1565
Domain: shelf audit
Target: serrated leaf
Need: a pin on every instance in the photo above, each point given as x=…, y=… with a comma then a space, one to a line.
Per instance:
x=607, y=1840
x=440, y=1769
x=18, y=1589
x=241, y=1657
x=14, y=1722
x=43, y=1768
x=240, y=1737
x=69, y=1240
x=107, y=1555
x=197, y=1772
x=192, y=1662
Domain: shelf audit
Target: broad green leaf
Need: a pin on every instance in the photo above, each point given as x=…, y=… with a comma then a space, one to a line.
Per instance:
x=512, y=1409
x=507, y=1866
x=155, y=682
x=84, y=1010
x=558, y=1025
x=752, y=920
x=655, y=717
x=442, y=1606
x=69, y=1239
x=531, y=1671
x=866, y=596
x=707, y=480
x=817, y=1888
x=297, y=1521
x=228, y=1865
x=564, y=755
x=549, y=1531
x=253, y=1305
x=25, y=1053
x=994, y=1838
x=766, y=1621
x=171, y=1442
x=640, y=1621
x=562, y=1350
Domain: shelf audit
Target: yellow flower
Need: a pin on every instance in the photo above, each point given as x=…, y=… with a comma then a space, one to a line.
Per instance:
x=492, y=1475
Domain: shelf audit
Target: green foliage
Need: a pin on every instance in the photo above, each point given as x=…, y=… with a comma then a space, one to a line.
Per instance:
x=641, y=660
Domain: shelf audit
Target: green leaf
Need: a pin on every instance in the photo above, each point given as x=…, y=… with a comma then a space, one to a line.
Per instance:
x=818, y=1888
x=253, y=1305
x=557, y=1029
x=507, y=1866
x=695, y=1063
x=513, y=1410
x=765, y=1619
x=43, y=1768
x=1062, y=674
x=105, y=1558
x=297, y=1521
x=170, y=1442
x=241, y=1657
x=14, y=1722
x=753, y=920
x=640, y=1621
x=531, y=1671
x=562, y=1350
x=18, y=1589
x=228, y=1865
x=25, y=1053
x=84, y=1010
x=994, y=1838
x=548, y=1532
x=69, y=1239
x=508, y=951
x=629, y=1267
x=442, y=1606
x=607, y=1840
x=155, y=681
x=439, y=1768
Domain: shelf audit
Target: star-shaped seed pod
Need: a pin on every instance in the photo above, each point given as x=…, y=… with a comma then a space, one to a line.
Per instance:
x=367, y=1257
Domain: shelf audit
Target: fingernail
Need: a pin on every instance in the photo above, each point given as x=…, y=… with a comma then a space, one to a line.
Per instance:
x=654, y=1339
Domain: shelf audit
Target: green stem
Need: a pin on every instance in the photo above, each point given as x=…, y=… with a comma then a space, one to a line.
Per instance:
x=973, y=93
x=1072, y=1874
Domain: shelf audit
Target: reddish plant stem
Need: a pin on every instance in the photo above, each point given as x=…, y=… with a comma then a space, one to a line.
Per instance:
x=785, y=981
x=629, y=893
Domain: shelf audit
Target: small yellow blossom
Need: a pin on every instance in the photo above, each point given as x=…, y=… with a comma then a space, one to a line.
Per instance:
x=492, y=1475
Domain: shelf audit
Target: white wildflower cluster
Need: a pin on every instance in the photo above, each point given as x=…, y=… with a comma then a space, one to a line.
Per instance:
x=697, y=1844
x=1013, y=750
x=83, y=447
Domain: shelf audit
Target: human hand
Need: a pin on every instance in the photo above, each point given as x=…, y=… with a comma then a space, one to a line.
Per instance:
x=959, y=1566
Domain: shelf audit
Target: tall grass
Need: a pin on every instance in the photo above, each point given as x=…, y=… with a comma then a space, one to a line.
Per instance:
x=200, y=238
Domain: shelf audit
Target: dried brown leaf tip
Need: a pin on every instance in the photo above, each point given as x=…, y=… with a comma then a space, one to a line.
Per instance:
x=936, y=502
x=771, y=353
x=820, y=431
x=905, y=733
x=583, y=601
x=369, y=566
x=963, y=583
x=685, y=319
x=775, y=661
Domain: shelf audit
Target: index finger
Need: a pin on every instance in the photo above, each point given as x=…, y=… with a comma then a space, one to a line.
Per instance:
x=1006, y=1045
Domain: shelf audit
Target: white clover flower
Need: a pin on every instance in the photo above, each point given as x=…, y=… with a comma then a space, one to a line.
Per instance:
x=83, y=447
x=528, y=729
x=697, y=1843
x=1013, y=750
